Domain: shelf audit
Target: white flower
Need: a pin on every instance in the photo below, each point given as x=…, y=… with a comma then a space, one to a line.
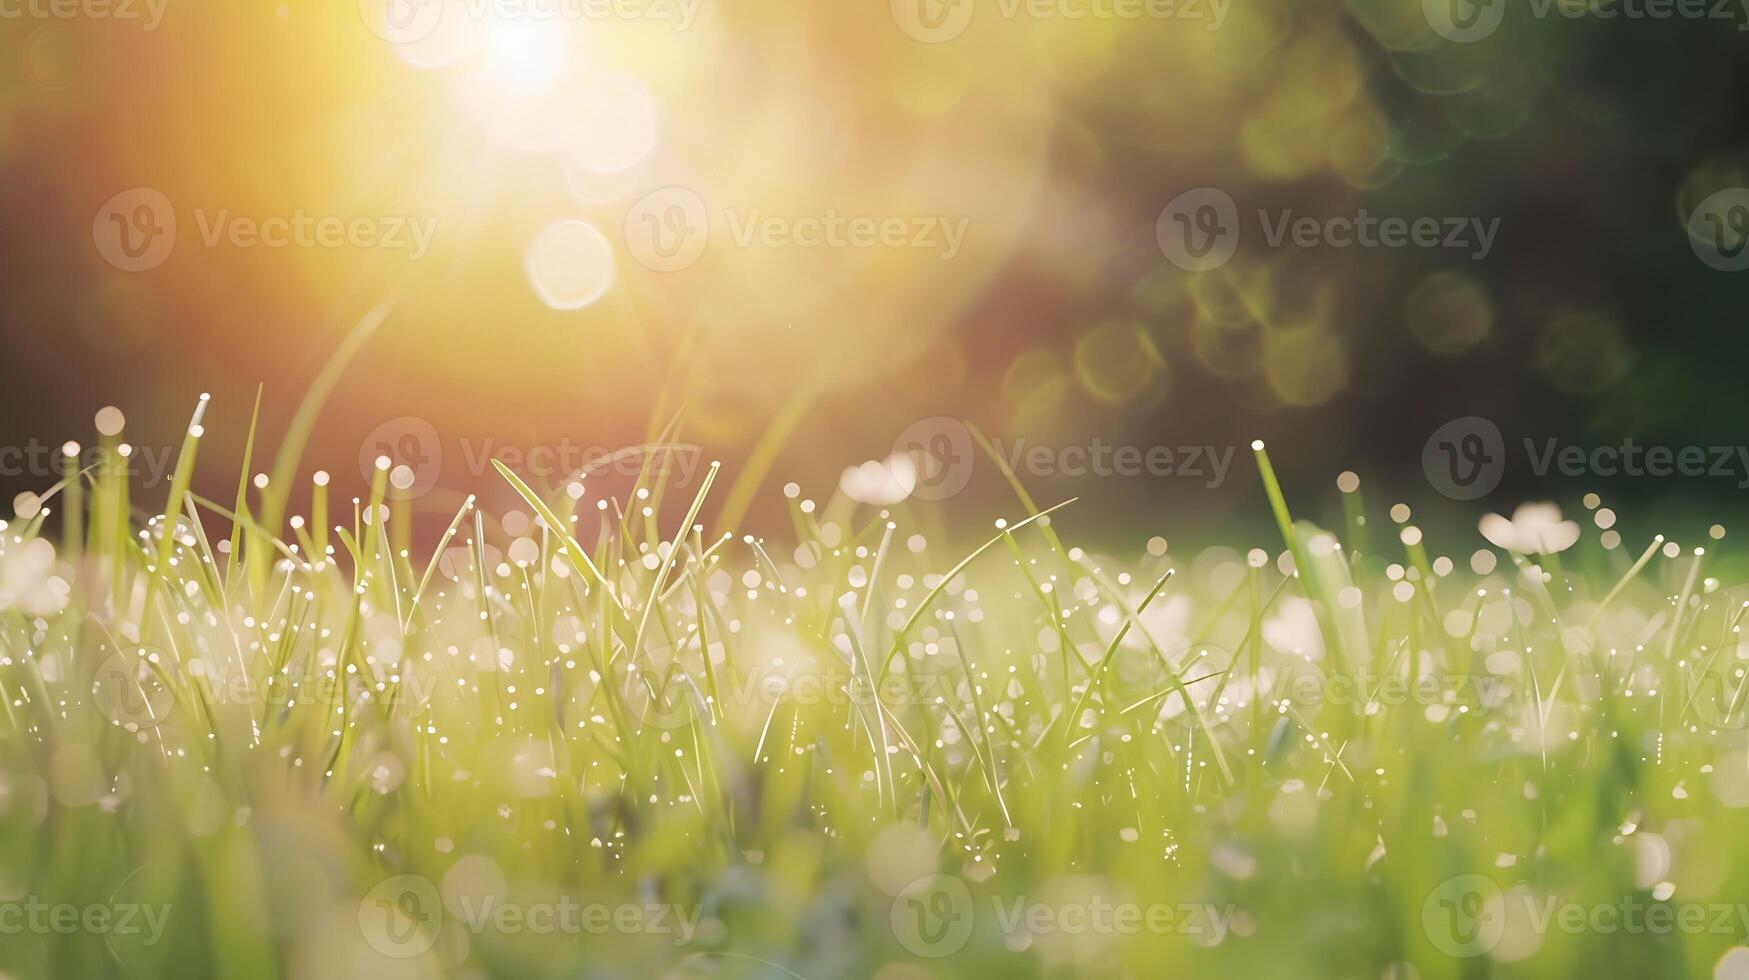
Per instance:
x=880, y=484
x=1535, y=529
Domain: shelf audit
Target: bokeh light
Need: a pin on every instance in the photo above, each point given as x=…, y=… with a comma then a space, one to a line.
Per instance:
x=570, y=265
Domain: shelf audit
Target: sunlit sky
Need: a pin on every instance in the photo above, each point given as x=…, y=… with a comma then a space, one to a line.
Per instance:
x=834, y=221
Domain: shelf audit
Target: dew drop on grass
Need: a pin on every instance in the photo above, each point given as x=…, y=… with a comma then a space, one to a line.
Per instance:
x=110, y=420
x=1733, y=964
x=26, y=505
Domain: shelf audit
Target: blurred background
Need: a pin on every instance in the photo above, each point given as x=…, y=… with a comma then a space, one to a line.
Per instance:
x=803, y=229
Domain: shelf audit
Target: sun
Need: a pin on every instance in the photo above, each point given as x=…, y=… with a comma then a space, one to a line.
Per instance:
x=524, y=58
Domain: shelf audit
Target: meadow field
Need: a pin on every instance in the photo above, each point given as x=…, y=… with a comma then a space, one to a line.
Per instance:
x=579, y=738
x=897, y=489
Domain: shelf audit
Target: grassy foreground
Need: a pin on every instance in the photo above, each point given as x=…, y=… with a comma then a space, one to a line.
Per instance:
x=589, y=741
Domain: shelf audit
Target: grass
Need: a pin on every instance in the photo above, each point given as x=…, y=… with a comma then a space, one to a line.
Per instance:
x=610, y=745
